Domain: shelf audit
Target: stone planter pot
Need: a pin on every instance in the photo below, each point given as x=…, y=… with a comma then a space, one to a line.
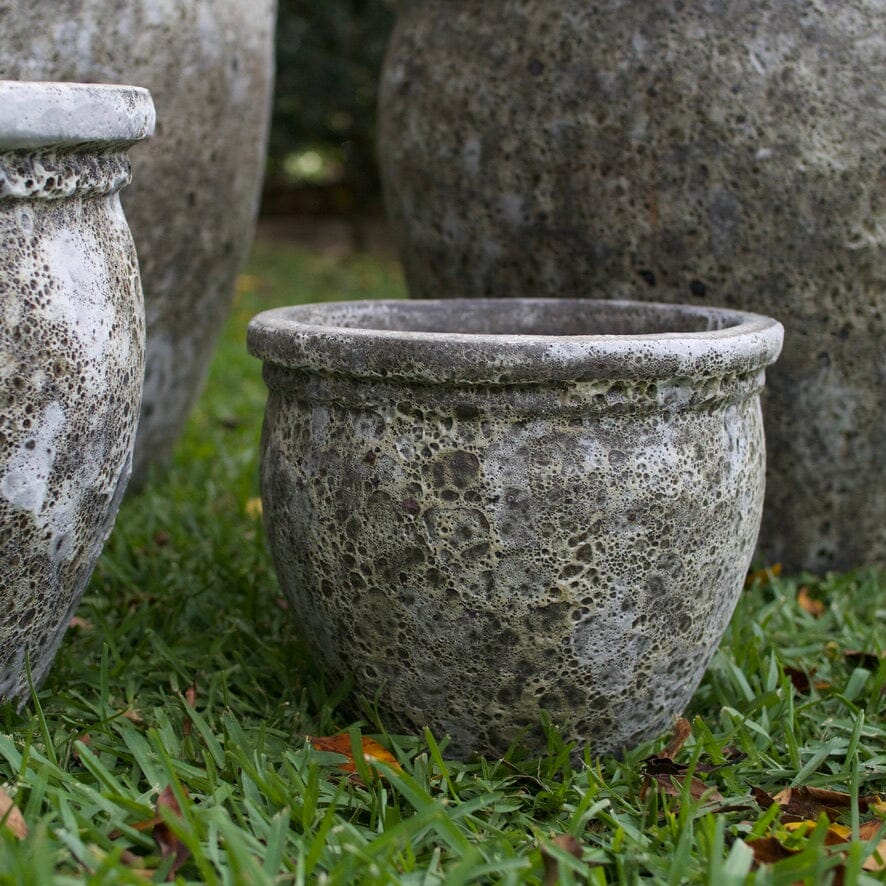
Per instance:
x=727, y=152
x=192, y=206
x=483, y=509
x=71, y=351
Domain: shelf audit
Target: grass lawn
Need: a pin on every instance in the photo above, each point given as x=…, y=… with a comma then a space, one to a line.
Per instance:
x=169, y=740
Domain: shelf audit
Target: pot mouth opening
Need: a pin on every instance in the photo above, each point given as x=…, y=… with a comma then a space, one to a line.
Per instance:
x=512, y=340
x=38, y=114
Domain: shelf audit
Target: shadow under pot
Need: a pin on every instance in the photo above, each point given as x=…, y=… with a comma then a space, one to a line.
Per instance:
x=72, y=341
x=483, y=510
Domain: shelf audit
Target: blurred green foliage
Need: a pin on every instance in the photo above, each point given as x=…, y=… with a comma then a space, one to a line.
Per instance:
x=329, y=53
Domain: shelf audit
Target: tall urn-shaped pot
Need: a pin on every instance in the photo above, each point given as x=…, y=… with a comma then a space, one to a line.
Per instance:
x=71, y=352
x=192, y=207
x=725, y=152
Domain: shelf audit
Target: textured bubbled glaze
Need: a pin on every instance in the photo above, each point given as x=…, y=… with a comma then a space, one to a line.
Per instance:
x=721, y=152
x=566, y=532
x=71, y=369
x=193, y=202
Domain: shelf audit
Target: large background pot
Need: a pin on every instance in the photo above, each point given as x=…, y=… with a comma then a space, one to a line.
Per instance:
x=485, y=510
x=72, y=340
x=209, y=66
x=724, y=152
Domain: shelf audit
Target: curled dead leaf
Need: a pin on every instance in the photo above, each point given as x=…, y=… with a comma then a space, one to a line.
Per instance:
x=564, y=842
x=682, y=731
x=11, y=816
x=807, y=603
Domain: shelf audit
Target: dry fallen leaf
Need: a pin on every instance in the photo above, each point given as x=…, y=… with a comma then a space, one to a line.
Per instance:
x=567, y=843
x=373, y=752
x=169, y=845
x=682, y=731
x=81, y=623
x=11, y=816
x=133, y=716
x=673, y=786
x=861, y=659
x=809, y=604
x=768, y=850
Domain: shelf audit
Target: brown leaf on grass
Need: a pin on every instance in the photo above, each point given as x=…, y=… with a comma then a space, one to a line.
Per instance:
x=763, y=576
x=11, y=816
x=81, y=623
x=809, y=604
x=564, y=842
x=674, y=785
x=682, y=731
x=768, y=850
x=800, y=679
x=810, y=802
x=868, y=660
x=133, y=716
x=161, y=538
x=373, y=752
x=877, y=860
x=169, y=845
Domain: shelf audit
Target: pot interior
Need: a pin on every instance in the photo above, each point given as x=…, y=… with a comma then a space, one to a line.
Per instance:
x=508, y=317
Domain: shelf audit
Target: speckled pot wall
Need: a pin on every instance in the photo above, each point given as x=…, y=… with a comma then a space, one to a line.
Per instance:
x=192, y=207
x=71, y=352
x=480, y=517
x=725, y=152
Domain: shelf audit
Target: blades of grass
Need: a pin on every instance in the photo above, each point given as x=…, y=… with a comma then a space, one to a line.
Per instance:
x=41, y=717
x=206, y=733
x=275, y=847
x=439, y=762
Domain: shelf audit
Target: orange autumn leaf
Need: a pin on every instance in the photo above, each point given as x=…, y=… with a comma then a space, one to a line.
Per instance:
x=11, y=816
x=809, y=604
x=373, y=752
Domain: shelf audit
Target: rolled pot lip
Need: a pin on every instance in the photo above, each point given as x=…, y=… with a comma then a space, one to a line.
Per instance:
x=38, y=114
x=290, y=337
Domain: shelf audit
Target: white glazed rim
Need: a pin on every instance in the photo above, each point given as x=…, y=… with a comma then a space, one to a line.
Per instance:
x=735, y=342
x=41, y=114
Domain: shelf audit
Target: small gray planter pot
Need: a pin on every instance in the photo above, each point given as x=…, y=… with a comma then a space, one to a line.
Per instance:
x=71, y=351
x=483, y=509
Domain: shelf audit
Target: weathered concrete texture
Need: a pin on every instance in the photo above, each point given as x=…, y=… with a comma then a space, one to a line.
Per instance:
x=480, y=526
x=71, y=353
x=722, y=152
x=192, y=207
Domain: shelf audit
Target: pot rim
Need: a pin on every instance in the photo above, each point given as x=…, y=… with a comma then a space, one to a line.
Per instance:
x=295, y=337
x=38, y=114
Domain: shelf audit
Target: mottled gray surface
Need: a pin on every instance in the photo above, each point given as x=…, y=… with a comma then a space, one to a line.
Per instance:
x=722, y=152
x=208, y=64
x=480, y=517
x=71, y=354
